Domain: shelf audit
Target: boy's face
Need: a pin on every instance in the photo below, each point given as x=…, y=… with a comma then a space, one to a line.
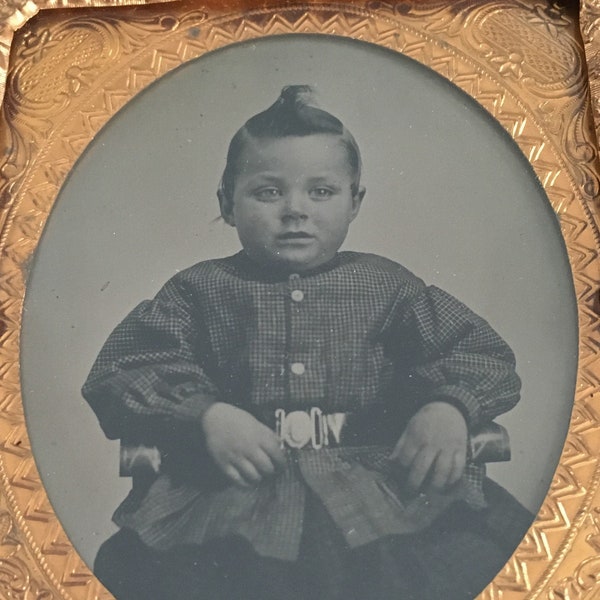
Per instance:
x=293, y=200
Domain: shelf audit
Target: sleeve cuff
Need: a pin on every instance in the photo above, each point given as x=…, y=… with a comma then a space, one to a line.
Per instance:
x=465, y=402
x=191, y=402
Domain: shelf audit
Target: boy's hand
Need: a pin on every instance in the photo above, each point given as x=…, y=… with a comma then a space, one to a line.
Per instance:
x=433, y=444
x=242, y=447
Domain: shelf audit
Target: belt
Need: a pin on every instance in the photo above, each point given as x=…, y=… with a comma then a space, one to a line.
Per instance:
x=299, y=428
x=314, y=429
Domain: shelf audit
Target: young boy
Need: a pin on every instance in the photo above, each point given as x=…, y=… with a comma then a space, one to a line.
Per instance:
x=312, y=408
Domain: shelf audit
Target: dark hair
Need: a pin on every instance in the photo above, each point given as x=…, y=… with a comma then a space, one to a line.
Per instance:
x=293, y=114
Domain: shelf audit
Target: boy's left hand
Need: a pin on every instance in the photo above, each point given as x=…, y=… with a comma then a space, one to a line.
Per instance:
x=433, y=444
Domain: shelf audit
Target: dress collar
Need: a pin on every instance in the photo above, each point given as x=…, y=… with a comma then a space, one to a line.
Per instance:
x=248, y=268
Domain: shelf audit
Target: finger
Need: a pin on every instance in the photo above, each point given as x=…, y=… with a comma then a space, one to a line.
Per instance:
x=408, y=451
x=420, y=468
x=262, y=463
x=248, y=471
x=398, y=448
x=233, y=475
x=458, y=468
x=442, y=469
x=272, y=447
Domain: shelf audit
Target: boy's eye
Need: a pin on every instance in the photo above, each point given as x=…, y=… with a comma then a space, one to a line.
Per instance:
x=267, y=193
x=321, y=193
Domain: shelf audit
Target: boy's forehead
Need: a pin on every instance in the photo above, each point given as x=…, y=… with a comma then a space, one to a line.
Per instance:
x=316, y=150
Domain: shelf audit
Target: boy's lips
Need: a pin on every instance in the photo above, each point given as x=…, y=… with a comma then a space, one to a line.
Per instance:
x=295, y=235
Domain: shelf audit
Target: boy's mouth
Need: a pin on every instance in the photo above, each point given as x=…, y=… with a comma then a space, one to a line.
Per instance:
x=295, y=235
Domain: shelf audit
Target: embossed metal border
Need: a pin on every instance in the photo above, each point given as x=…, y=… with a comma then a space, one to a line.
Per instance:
x=522, y=60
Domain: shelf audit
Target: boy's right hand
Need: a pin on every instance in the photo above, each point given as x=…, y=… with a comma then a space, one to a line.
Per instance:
x=242, y=447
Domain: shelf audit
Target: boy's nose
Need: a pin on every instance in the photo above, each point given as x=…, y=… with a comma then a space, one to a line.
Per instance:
x=295, y=206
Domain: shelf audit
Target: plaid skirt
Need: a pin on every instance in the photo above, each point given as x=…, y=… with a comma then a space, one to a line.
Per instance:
x=453, y=559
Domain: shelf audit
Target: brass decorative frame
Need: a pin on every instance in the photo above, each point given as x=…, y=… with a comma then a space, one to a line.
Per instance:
x=71, y=71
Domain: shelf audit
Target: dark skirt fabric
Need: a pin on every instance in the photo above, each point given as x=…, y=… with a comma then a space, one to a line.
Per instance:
x=454, y=559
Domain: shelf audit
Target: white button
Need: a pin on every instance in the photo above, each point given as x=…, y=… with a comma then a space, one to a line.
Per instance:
x=298, y=368
x=294, y=277
x=297, y=295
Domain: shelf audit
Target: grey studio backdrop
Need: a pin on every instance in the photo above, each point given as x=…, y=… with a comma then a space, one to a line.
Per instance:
x=448, y=195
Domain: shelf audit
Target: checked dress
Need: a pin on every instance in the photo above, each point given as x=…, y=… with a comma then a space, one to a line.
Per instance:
x=361, y=336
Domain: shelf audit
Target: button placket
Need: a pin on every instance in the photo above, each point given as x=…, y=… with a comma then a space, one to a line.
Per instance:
x=296, y=294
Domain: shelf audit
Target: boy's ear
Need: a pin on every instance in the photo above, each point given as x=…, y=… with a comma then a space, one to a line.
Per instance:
x=226, y=206
x=357, y=200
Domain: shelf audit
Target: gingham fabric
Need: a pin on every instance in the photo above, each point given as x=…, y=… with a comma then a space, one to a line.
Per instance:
x=454, y=559
x=360, y=334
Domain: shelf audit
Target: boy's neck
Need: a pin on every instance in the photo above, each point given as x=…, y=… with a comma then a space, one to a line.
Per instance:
x=280, y=272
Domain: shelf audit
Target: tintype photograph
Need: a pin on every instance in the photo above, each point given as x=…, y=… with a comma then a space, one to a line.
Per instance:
x=314, y=334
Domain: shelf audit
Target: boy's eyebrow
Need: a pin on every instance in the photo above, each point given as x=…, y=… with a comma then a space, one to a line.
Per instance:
x=265, y=176
x=330, y=178
x=268, y=177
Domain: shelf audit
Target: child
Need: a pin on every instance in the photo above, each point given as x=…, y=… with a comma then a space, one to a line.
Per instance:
x=312, y=408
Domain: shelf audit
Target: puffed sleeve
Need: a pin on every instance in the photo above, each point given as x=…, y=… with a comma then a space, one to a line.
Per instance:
x=151, y=379
x=454, y=355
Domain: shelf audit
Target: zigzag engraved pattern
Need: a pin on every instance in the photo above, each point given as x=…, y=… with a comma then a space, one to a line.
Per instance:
x=35, y=555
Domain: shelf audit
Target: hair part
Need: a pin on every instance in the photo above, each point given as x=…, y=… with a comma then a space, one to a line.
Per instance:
x=294, y=113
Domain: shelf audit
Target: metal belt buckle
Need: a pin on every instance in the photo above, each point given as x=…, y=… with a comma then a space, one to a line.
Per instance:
x=298, y=428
